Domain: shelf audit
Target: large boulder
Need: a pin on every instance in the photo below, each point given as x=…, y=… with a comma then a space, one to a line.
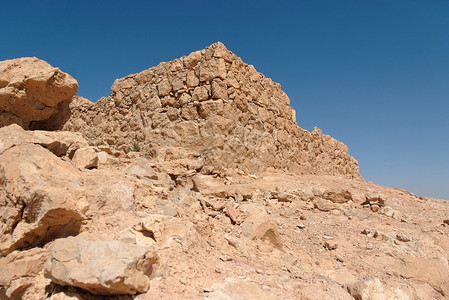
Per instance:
x=101, y=267
x=19, y=271
x=39, y=198
x=34, y=94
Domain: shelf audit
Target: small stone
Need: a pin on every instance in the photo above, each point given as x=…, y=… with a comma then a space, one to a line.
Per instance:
x=225, y=258
x=329, y=245
x=214, y=204
x=366, y=231
x=403, y=238
x=375, y=207
x=446, y=222
x=369, y=246
x=282, y=197
x=231, y=240
x=232, y=214
x=265, y=287
x=301, y=226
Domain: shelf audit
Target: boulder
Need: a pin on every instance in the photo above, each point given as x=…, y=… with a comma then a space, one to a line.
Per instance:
x=167, y=230
x=101, y=267
x=432, y=271
x=237, y=288
x=324, y=205
x=36, y=203
x=258, y=225
x=42, y=195
x=60, y=143
x=19, y=268
x=337, y=196
x=210, y=186
x=34, y=94
x=141, y=169
x=85, y=158
x=375, y=289
x=321, y=291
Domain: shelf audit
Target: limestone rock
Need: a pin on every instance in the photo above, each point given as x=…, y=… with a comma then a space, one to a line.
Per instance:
x=19, y=268
x=167, y=231
x=324, y=292
x=57, y=142
x=112, y=268
x=209, y=186
x=259, y=226
x=141, y=168
x=431, y=271
x=375, y=289
x=106, y=159
x=337, y=196
x=36, y=203
x=236, y=288
x=324, y=205
x=85, y=158
x=35, y=92
x=374, y=199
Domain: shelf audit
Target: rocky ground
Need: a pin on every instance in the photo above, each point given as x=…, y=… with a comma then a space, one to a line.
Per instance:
x=105, y=224
x=192, y=180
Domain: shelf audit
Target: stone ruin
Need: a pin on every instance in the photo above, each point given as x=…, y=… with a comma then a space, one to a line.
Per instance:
x=209, y=112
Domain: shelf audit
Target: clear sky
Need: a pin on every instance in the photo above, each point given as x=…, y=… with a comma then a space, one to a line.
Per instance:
x=372, y=74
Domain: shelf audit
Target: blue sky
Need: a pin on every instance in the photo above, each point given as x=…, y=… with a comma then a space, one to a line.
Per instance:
x=372, y=74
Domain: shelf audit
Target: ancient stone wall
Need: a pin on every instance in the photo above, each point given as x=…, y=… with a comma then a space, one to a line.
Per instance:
x=209, y=111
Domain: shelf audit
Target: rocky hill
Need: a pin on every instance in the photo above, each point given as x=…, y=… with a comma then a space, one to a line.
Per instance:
x=211, y=112
x=193, y=181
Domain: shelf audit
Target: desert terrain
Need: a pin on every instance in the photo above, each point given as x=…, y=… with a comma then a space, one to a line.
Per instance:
x=193, y=180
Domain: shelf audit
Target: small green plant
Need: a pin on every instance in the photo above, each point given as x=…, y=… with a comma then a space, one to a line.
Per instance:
x=277, y=189
x=134, y=147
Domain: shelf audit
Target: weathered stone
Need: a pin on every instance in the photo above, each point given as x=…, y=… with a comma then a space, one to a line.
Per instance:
x=337, y=196
x=192, y=80
x=374, y=199
x=374, y=289
x=214, y=68
x=282, y=196
x=167, y=230
x=209, y=186
x=328, y=290
x=210, y=108
x=106, y=159
x=113, y=268
x=141, y=168
x=39, y=206
x=324, y=205
x=431, y=271
x=219, y=90
x=85, y=158
x=268, y=232
x=192, y=59
x=36, y=93
x=236, y=288
x=164, y=88
x=19, y=268
x=200, y=94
